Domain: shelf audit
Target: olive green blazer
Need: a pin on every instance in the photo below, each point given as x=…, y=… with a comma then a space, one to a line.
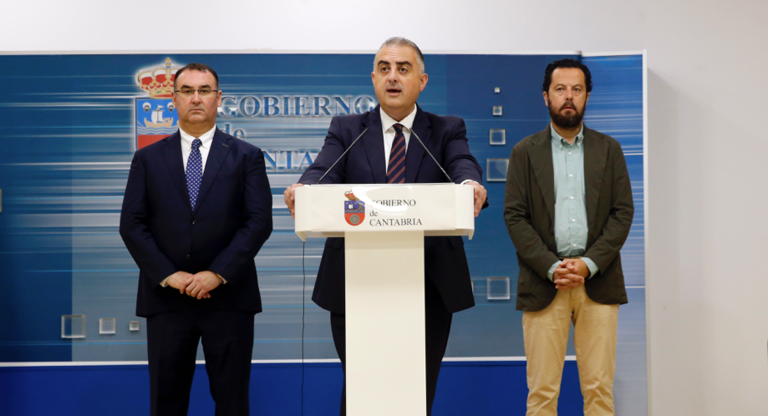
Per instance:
x=529, y=212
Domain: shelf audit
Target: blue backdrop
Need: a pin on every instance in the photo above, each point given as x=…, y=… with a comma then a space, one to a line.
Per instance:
x=71, y=123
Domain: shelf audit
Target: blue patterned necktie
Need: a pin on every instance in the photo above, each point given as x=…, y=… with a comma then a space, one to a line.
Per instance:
x=194, y=171
x=396, y=167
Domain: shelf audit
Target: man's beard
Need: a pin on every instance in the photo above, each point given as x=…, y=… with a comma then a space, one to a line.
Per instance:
x=566, y=122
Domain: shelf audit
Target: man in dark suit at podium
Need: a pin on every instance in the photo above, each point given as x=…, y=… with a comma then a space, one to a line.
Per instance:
x=197, y=209
x=388, y=153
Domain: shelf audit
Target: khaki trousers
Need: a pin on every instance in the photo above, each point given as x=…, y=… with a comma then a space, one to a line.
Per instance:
x=546, y=336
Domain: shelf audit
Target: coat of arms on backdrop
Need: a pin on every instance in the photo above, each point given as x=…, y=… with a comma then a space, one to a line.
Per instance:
x=156, y=117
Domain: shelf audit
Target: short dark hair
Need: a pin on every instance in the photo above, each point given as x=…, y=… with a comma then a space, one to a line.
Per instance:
x=196, y=67
x=401, y=41
x=566, y=63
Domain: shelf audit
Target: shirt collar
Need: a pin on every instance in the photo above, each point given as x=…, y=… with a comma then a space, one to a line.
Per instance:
x=557, y=139
x=387, y=122
x=206, y=138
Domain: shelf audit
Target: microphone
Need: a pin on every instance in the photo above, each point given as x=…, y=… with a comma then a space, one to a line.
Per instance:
x=430, y=155
x=342, y=155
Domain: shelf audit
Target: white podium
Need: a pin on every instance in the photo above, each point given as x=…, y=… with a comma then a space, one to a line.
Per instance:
x=384, y=228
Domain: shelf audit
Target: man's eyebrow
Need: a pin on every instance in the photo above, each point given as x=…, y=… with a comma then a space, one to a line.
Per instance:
x=578, y=84
x=404, y=63
x=382, y=62
x=202, y=86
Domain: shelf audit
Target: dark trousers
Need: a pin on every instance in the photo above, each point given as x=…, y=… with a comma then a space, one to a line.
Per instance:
x=172, y=339
x=438, y=328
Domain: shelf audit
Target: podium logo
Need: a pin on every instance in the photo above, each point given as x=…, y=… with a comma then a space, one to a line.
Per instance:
x=354, y=209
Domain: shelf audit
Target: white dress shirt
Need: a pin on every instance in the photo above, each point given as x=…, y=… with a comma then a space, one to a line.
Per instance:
x=205, y=148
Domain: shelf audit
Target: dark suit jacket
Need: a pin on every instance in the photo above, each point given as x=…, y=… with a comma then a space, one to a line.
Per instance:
x=445, y=262
x=232, y=220
x=529, y=211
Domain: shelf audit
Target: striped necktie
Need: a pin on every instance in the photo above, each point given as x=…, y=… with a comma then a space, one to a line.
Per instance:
x=194, y=172
x=396, y=167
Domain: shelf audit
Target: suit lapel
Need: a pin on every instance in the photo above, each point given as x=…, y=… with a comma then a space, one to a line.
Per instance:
x=373, y=140
x=175, y=163
x=415, y=154
x=595, y=157
x=543, y=169
x=220, y=147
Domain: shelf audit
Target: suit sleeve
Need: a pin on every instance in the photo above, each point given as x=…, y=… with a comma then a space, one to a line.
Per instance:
x=134, y=226
x=256, y=226
x=459, y=162
x=616, y=229
x=333, y=148
x=517, y=215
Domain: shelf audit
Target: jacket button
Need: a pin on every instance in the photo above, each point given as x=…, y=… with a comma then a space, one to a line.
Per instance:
x=194, y=222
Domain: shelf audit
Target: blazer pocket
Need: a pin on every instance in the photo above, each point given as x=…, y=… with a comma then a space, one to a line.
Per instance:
x=524, y=284
x=525, y=278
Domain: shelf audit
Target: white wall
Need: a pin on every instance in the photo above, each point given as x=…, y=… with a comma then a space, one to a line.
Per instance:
x=708, y=233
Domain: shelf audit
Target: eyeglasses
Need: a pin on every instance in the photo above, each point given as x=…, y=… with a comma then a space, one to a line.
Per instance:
x=189, y=92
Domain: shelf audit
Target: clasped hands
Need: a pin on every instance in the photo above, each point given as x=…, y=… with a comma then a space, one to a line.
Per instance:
x=570, y=273
x=197, y=285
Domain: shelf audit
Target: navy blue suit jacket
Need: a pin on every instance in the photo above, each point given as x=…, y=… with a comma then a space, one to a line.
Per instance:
x=231, y=221
x=445, y=262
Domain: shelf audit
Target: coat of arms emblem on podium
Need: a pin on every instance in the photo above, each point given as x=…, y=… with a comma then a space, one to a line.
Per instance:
x=354, y=209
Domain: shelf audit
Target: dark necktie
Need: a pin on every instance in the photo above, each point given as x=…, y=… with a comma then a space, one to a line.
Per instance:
x=396, y=168
x=194, y=172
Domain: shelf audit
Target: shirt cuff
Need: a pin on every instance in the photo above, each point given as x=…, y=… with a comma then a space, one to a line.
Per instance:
x=551, y=272
x=468, y=180
x=223, y=280
x=593, y=269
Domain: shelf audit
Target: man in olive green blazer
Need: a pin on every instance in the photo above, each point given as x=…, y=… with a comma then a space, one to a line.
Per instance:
x=529, y=211
x=568, y=209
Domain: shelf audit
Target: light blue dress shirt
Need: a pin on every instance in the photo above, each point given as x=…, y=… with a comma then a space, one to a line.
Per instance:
x=571, y=228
